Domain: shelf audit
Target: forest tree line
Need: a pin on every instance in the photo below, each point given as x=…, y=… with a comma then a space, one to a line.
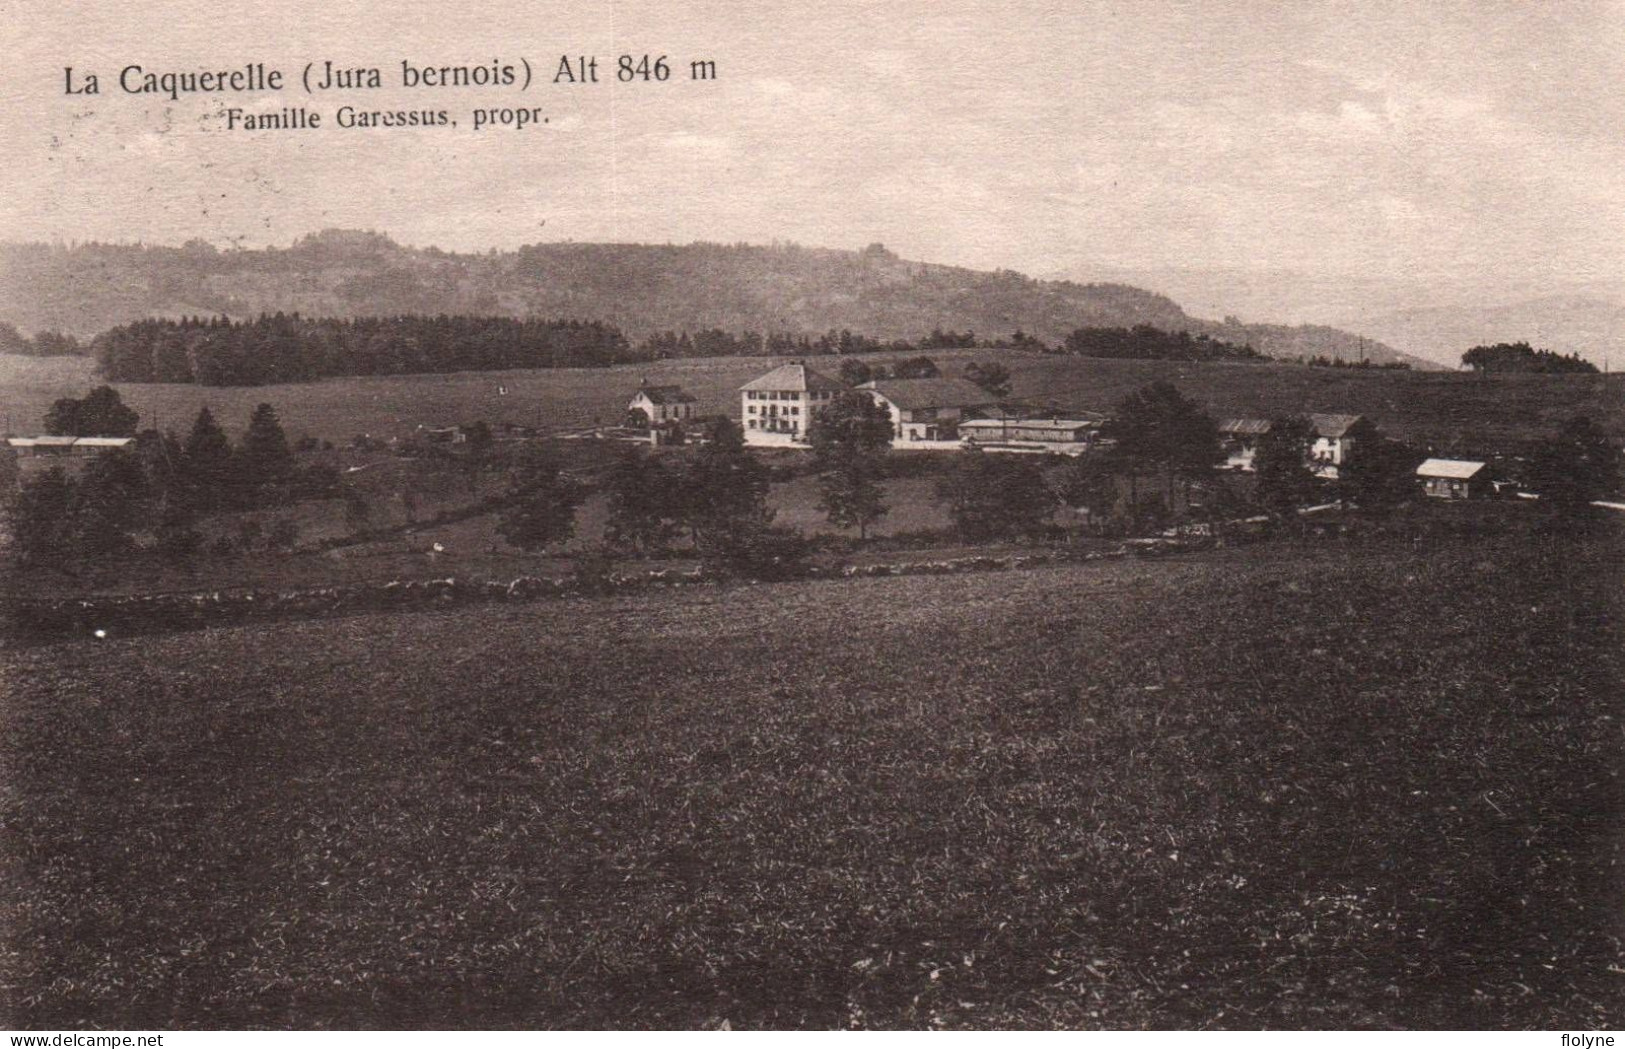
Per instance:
x=1145, y=343
x=279, y=348
x=43, y=344
x=283, y=348
x=1141, y=342
x=1520, y=357
x=715, y=342
x=161, y=485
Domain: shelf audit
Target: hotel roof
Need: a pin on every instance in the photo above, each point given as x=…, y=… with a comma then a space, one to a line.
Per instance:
x=797, y=378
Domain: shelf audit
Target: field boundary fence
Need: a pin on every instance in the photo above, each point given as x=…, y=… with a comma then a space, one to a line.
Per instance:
x=124, y=615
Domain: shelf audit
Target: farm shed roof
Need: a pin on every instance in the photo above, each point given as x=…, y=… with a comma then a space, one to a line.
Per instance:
x=796, y=377
x=913, y=394
x=1324, y=425
x=1457, y=469
x=1026, y=424
x=1034, y=411
x=102, y=442
x=667, y=394
x=50, y=440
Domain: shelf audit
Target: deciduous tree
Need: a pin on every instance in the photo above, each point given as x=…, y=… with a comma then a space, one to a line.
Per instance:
x=41, y=518
x=725, y=486
x=996, y=496
x=854, y=424
x=850, y=494
x=1575, y=467
x=1090, y=484
x=110, y=504
x=1158, y=428
x=855, y=372
x=176, y=531
x=645, y=502
x=1379, y=472
x=1286, y=480
x=991, y=376
x=916, y=368
x=100, y=413
x=542, y=504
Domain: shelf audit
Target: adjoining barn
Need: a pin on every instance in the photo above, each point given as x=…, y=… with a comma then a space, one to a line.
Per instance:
x=777, y=408
x=929, y=409
x=663, y=404
x=1453, y=479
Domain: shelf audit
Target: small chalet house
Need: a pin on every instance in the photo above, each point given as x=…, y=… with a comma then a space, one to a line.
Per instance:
x=1453, y=479
x=777, y=408
x=1240, y=438
x=928, y=409
x=1333, y=438
x=663, y=404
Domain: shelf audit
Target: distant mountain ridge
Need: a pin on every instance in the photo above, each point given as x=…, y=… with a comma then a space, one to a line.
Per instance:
x=642, y=288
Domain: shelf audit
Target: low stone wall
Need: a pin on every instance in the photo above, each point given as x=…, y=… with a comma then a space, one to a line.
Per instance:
x=124, y=615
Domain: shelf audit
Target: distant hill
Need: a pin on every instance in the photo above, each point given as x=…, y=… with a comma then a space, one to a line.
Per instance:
x=639, y=287
x=1592, y=327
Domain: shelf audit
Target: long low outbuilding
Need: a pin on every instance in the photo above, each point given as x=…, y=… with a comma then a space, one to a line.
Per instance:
x=1049, y=431
x=64, y=444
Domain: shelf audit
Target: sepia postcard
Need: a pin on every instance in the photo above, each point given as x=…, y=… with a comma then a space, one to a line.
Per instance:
x=991, y=516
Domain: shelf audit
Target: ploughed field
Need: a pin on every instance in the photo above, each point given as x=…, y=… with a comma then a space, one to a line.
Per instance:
x=1359, y=785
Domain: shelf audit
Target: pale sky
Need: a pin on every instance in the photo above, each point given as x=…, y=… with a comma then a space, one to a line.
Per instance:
x=1397, y=141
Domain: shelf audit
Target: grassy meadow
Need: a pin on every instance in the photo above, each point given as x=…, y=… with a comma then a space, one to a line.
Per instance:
x=1361, y=784
x=1441, y=408
x=468, y=548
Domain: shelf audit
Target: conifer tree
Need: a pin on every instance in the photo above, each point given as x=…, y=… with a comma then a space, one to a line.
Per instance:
x=264, y=457
x=207, y=463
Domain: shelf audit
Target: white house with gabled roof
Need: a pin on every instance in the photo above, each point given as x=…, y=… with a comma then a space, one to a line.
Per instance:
x=663, y=404
x=776, y=409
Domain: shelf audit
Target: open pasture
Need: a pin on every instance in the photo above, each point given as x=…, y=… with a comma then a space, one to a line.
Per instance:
x=1441, y=408
x=1365, y=785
